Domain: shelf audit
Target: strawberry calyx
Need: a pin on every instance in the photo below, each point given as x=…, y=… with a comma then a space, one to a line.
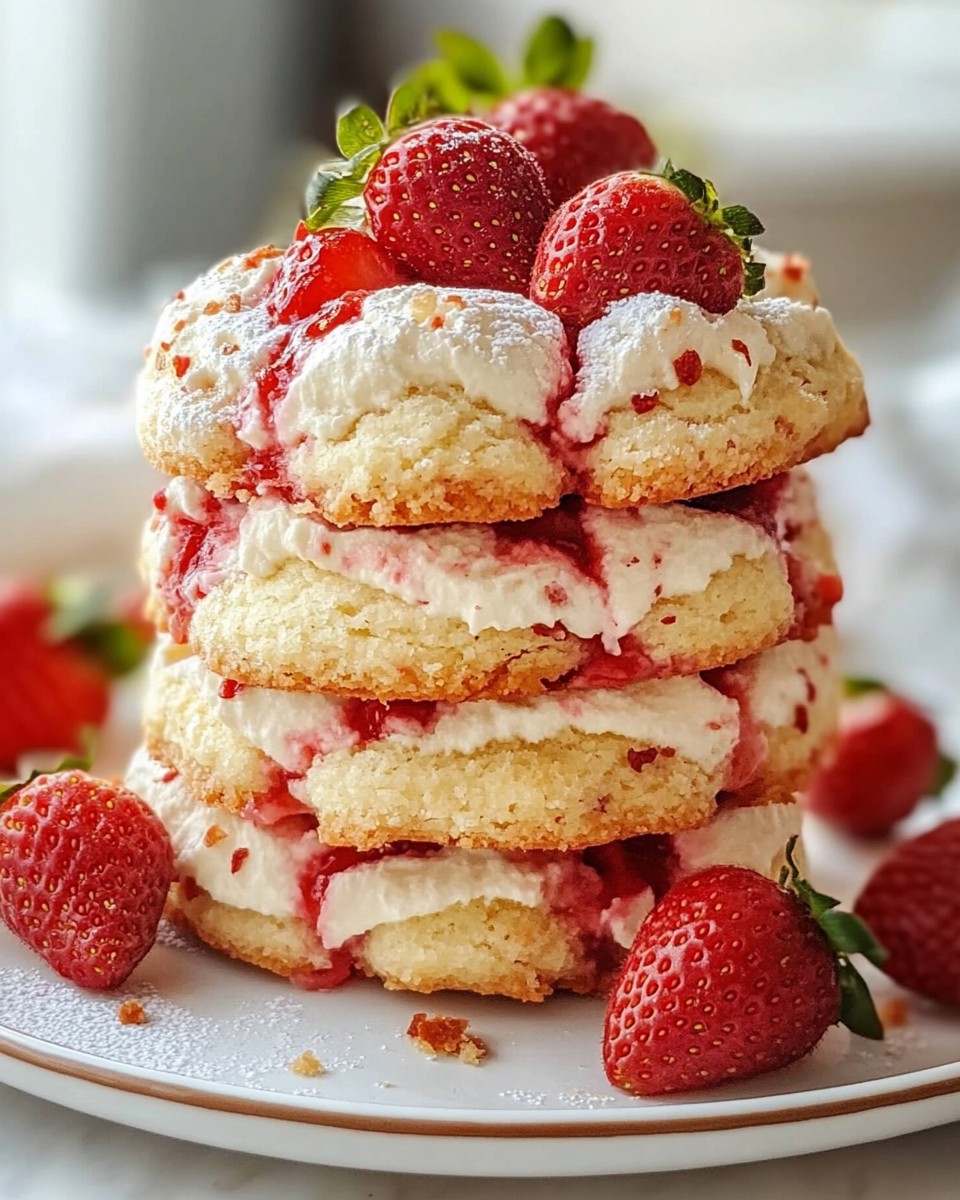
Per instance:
x=79, y=613
x=468, y=77
x=362, y=137
x=735, y=221
x=72, y=762
x=847, y=935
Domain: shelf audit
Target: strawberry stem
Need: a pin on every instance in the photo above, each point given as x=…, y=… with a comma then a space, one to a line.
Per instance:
x=847, y=934
x=738, y=223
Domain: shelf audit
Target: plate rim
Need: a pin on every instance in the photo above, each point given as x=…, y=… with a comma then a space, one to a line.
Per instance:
x=910, y=1087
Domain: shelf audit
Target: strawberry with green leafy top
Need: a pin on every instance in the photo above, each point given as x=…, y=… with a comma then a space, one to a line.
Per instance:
x=884, y=761
x=575, y=137
x=731, y=976
x=57, y=654
x=452, y=200
x=85, y=867
x=636, y=232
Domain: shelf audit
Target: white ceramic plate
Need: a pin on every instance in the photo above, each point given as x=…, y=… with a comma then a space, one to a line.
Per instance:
x=212, y=1066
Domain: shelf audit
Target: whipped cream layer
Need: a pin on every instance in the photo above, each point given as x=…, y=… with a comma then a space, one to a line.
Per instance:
x=595, y=572
x=632, y=350
x=500, y=349
x=267, y=882
x=737, y=837
x=295, y=729
x=399, y=886
x=787, y=679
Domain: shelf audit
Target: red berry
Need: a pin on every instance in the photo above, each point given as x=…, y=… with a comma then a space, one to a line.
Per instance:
x=728, y=977
x=84, y=871
x=459, y=203
x=884, y=761
x=51, y=691
x=627, y=234
x=912, y=904
x=319, y=267
x=575, y=138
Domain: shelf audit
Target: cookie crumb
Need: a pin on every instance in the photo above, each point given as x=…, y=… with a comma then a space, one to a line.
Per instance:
x=308, y=1065
x=894, y=1013
x=446, y=1036
x=213, y=835
x=132, y=1012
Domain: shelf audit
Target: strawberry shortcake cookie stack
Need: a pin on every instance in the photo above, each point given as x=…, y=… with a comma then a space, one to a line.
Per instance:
x=493, y=597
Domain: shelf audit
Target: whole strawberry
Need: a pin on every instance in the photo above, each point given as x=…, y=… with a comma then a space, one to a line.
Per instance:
x=52, y=689
x=575, y=138
x=730, y=976
x=458, y=202
x=636, y=232
x=84, y=871
x=913, y=905
x=884, y=761
x=319, y=267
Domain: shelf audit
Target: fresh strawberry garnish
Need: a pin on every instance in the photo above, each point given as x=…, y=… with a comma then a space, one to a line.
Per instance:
x=57, y=655
x=575, y=138
x=636, y=232
x=319, y=267
x=453, y=200
x=884, y=761
x=459, y=202
x=912, y=903
x=84, y=871
x=730, y=976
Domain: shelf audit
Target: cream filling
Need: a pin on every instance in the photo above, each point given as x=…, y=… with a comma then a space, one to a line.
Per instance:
x=736, y=837
x=790, y=676
x=632, y=348
x=459, y=572
x=398, y=888
x=267, y=882
x=500, y=350
x=297, y=728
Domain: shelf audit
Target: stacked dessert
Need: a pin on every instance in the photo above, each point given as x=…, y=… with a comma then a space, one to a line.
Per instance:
x=478, y=629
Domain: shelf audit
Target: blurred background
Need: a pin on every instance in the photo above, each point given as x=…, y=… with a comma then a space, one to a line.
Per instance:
x=141, y=139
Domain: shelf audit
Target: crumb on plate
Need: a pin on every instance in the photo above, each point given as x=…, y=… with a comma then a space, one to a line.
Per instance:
x=132, y=1012
x=308, y=1065
x=446, y=1036
x=894, y=1012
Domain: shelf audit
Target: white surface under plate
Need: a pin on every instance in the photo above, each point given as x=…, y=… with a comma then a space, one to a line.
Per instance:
x=212, y=1066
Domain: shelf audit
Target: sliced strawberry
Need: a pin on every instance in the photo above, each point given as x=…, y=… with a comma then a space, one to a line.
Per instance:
x=319, y=267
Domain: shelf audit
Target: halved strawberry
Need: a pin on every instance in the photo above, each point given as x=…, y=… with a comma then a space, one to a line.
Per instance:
x=319, y=267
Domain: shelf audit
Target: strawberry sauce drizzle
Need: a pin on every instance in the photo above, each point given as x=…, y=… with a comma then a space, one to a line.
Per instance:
x=750, y=752
x=196, y=551
x=765, y=504
x=266, y=466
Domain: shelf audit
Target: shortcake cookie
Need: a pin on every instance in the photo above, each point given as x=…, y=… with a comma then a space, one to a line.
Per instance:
x=673, y=402
x=407, y=405
x=425, y=918
x=571, y=768
x=278, y=598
